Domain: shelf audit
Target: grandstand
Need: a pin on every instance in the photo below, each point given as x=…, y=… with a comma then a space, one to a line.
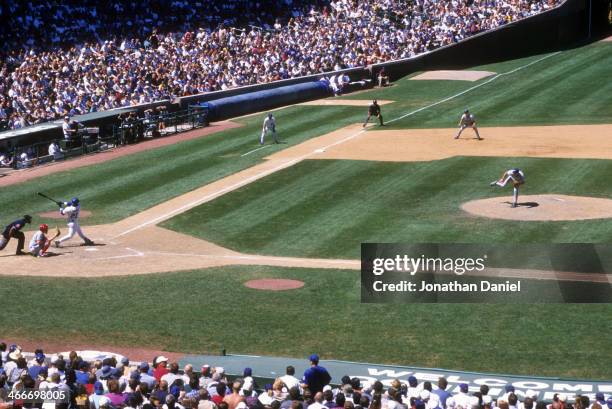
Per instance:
x=69, y=59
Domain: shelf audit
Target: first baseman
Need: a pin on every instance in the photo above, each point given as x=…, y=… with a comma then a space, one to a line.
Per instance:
x=517, y=177
x=269, y=124
x=467, y=121
x=39, y=244
x=13, y=230
x=72, y=209
x=374, y=110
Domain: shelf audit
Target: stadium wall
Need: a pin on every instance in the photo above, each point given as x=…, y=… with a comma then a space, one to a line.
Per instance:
x=554, y=29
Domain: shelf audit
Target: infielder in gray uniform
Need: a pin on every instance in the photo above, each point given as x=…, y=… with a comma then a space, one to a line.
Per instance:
x=467, y=121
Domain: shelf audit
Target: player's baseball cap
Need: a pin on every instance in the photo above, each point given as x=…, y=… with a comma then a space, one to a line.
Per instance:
x=314, y=358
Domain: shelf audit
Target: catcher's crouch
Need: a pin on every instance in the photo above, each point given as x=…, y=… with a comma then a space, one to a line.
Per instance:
x=517, y=177
x=40, y=243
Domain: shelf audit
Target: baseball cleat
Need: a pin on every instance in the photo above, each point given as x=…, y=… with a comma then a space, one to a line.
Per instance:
x=514, y=205
x=20, y=253
x=493, y=183
x=89, y=243
x=56, y=244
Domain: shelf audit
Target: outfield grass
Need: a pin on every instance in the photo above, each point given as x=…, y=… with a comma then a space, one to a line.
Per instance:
x=205, y=311
x=326, y=208
x=572, y=87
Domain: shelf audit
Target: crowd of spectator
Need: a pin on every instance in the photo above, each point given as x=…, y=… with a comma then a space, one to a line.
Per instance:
x=113, y=384
x=68, y=58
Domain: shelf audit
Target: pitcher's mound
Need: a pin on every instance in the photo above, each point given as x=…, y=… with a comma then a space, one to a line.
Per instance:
x=56, y=215
x=274, y=284
x=541, y=208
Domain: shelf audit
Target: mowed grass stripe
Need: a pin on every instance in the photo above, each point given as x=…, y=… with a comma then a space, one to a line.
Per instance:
x=360, y=201
x=124, y=186
x=205, y=309
x=570, y=87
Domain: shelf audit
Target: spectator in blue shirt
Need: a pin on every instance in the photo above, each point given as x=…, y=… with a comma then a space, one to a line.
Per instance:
x=441, y=391
x=315, y=377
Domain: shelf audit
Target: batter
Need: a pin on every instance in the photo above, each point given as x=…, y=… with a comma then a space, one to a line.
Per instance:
x=72, y=209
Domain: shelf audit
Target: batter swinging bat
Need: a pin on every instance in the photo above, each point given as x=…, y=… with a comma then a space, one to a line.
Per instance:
x=57, y=234
x=57, y=202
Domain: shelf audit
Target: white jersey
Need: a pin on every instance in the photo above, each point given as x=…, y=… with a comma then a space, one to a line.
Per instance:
x=511, y=173
x=72, y=212
x=467, y=119
x=269, y=123
x=36, y=241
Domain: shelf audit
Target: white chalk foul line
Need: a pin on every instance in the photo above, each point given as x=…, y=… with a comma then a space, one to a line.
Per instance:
x=301, y=158
x=232, y=187
x=255, y=150
x=490, y=80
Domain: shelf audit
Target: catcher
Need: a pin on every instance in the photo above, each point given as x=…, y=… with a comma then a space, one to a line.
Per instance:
x=517, y=177
x=40, y=243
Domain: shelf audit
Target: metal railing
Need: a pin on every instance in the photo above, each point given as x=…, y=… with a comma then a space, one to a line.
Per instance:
x=131, y=130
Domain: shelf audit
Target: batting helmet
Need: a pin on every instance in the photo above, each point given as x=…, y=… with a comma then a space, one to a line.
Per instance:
x=466, y=111
x=74, y=201
x=44, y=228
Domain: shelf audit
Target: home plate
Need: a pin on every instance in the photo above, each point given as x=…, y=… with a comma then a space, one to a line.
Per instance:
x=91, y=249
x=321, y=150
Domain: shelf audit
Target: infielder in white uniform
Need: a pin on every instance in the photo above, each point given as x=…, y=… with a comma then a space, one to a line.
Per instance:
x=517, y=177
x=269, y=124
x=467, y=121
x=72, y=209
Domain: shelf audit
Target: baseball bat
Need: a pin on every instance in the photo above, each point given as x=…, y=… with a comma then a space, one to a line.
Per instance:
x=47, y=197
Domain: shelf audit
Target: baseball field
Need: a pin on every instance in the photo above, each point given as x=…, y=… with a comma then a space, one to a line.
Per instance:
x=181, y=228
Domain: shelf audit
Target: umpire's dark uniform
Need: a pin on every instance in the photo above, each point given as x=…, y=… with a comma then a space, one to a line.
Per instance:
x=13, y=230
x=374, y=110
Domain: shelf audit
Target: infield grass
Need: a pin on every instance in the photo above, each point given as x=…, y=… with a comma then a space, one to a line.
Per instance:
x=326, y=208
x=207, y=310
x=125, y=186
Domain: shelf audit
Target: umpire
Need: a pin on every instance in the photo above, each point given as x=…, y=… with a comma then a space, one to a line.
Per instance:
x=13, y=230
x=374, y=110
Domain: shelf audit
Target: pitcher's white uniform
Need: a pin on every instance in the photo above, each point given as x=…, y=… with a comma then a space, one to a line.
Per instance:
x=72, y=209
x=517, y=177
x=269, y=124
x=467, y=121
